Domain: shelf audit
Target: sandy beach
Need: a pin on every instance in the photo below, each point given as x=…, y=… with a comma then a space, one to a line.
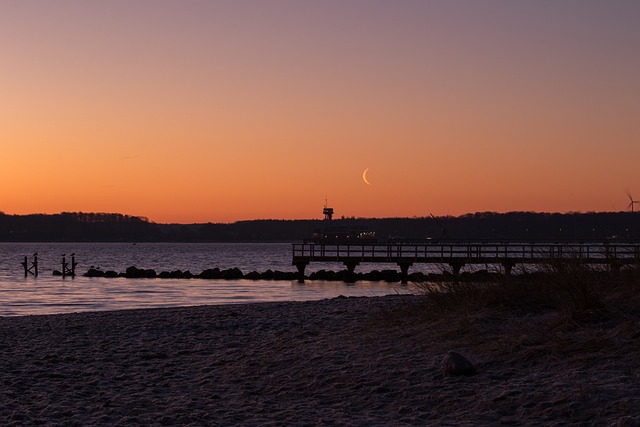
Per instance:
x=344, y=361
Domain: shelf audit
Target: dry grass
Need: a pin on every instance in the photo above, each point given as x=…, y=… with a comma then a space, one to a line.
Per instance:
x=569, y=315
x=577, y=291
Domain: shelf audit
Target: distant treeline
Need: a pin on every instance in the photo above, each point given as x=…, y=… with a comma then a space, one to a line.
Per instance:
x=524, y=226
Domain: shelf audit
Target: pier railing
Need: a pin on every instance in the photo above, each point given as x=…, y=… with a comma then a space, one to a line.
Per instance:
x=460, y=254
x=596, y=253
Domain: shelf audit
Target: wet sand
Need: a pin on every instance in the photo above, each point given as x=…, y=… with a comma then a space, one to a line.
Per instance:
x=345, y=361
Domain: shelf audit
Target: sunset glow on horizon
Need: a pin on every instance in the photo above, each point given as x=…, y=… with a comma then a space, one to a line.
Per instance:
x=218, y=111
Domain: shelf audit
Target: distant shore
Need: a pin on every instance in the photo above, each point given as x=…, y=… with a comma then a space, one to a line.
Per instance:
x=520, y=226
x=344, y=361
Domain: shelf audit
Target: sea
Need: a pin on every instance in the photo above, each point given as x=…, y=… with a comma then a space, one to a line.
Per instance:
x=22, y=295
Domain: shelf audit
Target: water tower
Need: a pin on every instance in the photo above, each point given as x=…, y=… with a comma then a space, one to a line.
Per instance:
x=328, y=212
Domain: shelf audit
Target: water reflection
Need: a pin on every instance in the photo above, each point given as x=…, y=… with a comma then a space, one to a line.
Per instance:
x=47, y=294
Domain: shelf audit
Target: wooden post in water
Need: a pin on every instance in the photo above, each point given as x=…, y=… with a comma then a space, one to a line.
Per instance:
x=66, y=271
x=31, y=269
x=73, y=265
x=64, y=265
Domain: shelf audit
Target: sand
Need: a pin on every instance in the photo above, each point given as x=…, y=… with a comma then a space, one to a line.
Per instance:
x=345, y=361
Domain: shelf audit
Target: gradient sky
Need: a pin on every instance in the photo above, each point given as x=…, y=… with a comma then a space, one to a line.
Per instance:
x=196, y=111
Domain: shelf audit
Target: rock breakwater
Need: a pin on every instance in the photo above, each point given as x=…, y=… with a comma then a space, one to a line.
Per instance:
x=235, y=273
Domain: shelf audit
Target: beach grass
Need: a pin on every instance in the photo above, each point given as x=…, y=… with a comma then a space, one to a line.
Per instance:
x=576, y=312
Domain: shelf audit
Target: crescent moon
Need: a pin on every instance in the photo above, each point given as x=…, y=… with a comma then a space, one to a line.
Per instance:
x=364, y=176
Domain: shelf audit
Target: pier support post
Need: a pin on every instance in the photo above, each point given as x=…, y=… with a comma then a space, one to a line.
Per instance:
x=508, y=266
x=404, y=271
x=351, y=267
x=301, y=265
x=456, y=267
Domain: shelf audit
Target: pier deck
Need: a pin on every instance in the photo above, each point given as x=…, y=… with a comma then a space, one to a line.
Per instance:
x=459, y=254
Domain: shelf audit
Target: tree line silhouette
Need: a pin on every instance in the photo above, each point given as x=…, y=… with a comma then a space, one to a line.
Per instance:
x=522, y=226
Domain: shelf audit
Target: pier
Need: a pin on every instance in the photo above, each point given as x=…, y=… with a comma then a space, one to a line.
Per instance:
x=459, y=254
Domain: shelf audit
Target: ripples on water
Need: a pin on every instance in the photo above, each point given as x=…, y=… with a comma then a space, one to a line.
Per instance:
x=49, y=294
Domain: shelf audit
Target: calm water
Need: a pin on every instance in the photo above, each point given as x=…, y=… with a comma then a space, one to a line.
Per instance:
x=48, y=294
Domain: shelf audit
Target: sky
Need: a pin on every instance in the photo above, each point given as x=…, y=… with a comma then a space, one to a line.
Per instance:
x=217, y=111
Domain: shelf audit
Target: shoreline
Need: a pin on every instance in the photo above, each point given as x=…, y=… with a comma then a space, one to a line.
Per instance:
x=340, y=361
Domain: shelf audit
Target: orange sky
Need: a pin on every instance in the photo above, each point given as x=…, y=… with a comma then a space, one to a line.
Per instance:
x=198, y=111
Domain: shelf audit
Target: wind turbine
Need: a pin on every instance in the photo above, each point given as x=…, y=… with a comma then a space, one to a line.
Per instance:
x=631, y=201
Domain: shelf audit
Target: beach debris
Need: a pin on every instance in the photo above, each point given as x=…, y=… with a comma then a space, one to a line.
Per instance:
x=456, y=364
